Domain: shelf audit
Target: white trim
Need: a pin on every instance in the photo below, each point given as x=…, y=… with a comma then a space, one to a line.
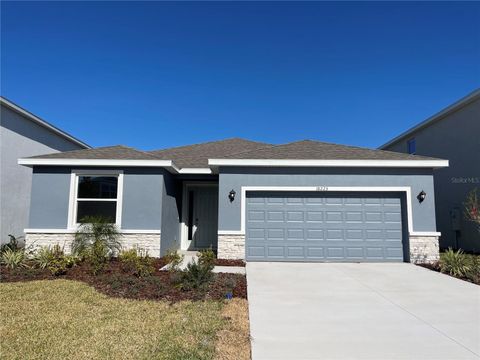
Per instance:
x=438, y=116
x=43, y=123
x=329, y=163
x=184, y=242
x=195, y=171
x=244, y=190
x=72, y=231
x=99, y=162
x=72, y=208
x=425, y=233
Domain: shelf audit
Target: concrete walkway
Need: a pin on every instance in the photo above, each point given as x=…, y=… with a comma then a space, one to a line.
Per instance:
x=361, y=311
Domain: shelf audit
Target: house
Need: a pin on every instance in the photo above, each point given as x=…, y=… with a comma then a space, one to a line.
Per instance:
x=301, y=201
x=453, y=134
x=23, y=134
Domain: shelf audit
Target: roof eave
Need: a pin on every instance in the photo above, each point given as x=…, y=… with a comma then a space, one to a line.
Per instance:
x=167, y=164
x=329, y=163
x=432, y=119
x=42, y=123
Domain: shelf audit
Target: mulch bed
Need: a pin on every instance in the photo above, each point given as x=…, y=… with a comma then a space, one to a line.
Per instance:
x=436, y=267
x=228, y=262
x=113, y=281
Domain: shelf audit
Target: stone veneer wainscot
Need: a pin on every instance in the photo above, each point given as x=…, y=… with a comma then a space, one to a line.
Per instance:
x=424, y=249
x=231, y=246
x=144, y=241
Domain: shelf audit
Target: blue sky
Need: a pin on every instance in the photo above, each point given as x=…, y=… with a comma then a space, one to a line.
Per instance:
x=154, y=74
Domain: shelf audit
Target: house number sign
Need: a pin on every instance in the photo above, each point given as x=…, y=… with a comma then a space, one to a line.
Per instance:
x=322, y=188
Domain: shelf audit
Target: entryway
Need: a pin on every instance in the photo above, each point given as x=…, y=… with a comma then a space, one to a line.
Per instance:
x=200, y=216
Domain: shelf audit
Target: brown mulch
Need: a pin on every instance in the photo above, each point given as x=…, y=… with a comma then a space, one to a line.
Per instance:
x=229, y=262
x=113, y=281
x=436, y=267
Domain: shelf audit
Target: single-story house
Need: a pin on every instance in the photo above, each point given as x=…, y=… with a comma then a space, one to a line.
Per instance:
x=302, y=201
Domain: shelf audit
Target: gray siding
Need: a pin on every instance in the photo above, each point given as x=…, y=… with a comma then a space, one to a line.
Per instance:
x=20, y=137
x=170, y=215
x=235, y=178
x=142, y=199
x=456, y=138
x=50, y=197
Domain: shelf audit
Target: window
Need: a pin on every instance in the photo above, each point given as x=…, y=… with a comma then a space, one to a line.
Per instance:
x=97, y=195
x=411, y=146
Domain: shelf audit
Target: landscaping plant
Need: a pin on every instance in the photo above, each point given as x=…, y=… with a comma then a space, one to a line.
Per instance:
x=472, y=208
x=13, y=259
x=173, y=259
x=455, y=263
x=12, y=244
x=136, y=262
x=96, y=241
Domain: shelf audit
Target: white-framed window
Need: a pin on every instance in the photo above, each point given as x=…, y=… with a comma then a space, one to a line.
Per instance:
x=95, y=193
x=411, y=146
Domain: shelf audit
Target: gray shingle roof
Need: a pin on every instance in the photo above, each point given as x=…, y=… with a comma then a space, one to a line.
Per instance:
x=197, y=155
x=316, y=150
x=108, y=152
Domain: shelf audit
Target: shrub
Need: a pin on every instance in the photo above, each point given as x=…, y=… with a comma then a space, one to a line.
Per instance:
x=455, y=263
x=174, y=259
x=206, y=257
x=96, y=241
x=12, y=244
x=13, y=259
x=196, y=276
x=140, y=265
x=46, y=255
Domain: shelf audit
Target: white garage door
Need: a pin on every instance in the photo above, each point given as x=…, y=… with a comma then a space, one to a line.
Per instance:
x=319, y=226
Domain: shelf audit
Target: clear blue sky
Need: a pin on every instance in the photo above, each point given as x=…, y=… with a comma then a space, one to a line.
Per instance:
x=154, y=75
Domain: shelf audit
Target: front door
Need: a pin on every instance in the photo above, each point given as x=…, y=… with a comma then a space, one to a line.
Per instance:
x=202, y=217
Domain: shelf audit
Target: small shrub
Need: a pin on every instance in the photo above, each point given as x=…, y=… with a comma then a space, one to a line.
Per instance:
x=196, y=276
x=173, y=259
x=58, y=267
x=12, y=244
x=96, y=241
x=13, y=259
x=46, y=255
x=206, y=257
x=140, y=265
x=455, y=263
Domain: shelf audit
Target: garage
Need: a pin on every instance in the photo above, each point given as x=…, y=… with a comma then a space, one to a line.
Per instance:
x=324, y=226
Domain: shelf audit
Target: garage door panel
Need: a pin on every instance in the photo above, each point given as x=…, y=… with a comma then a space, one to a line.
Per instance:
x=323, y=227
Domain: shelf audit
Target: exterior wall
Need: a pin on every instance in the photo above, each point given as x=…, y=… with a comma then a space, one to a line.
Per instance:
x=231, y=244
x=141, y=241
x=170, y=215
x=234, y=178
x=424, y=249
x=454, y=137
x=20, y=137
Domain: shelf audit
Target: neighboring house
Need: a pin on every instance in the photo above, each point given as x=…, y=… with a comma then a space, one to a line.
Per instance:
x=301, y=201
x=453, y=134
x=23, y=134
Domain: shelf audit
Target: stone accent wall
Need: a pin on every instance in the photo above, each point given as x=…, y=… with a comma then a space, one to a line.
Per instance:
x=148, y=242
x=424, y=249
x=231, y=246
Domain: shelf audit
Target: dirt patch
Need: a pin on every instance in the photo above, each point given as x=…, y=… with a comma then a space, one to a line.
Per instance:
x=229, y=262
x=233, y=342
x=113, y=281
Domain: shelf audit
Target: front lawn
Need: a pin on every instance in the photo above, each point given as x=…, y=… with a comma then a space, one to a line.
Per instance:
x=65, y=319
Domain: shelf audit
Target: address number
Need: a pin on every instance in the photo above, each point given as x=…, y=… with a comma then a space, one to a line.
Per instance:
x=322, y=188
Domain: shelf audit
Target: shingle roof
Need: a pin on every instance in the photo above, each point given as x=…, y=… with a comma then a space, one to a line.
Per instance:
x=197, y=155
x=108, y=152
x=316, y=150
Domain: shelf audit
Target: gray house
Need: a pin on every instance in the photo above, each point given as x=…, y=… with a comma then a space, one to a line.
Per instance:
x=453, y=134
x=23, y=134
x=302, y=201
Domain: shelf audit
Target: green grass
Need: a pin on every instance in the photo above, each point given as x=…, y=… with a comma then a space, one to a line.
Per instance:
x=65, y=319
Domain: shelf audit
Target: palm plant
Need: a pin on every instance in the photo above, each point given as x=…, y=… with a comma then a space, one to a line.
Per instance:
x=96, y=241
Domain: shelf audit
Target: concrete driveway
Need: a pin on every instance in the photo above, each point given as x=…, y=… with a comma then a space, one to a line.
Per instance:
x=361, y=311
